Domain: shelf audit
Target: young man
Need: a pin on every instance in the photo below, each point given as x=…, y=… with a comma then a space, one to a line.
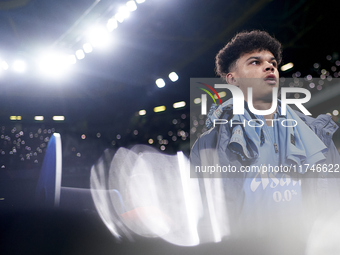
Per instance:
x=272, y=185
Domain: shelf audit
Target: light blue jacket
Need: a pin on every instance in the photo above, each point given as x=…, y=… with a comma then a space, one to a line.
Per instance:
x=320, y=190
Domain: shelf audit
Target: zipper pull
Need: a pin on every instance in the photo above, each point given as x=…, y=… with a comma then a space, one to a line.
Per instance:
x=275, y=147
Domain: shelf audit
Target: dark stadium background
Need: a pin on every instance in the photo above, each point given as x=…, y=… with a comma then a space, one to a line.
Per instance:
x=102, y=96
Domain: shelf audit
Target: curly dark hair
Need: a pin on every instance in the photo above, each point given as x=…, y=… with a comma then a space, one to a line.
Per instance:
x=246, y=42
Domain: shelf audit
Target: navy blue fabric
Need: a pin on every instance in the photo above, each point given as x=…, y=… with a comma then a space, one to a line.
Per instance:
x=45, y=191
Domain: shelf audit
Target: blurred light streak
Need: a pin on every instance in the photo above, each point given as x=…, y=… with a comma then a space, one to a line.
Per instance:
x=101, y=196
x=192, y=214
x=158, y=196
x=71, y=59
x=19, y=66
x=111, y=24
x=80, y=54
x=287, y=67
x=142, y=112
x=131, y=5
x=212, y=212
x=119, y=17
x=124, y=11
x=87, y=47
x=15, y=117
x=159, y=108
x=4, y=65
x=179, y=104
x=39, y=118
x=215, y=201
x=54, y=64
x=58, y=118
x=98, y=36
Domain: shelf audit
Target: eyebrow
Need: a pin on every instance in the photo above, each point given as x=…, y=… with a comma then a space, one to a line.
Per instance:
x=259, y=58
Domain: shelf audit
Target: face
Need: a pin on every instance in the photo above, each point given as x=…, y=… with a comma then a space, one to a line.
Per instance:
x=258, y=70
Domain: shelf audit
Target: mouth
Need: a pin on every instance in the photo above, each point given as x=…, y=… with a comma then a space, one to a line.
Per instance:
x=270, y=79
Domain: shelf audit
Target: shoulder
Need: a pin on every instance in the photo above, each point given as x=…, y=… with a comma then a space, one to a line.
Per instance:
x=321, y=124
x=209, y=139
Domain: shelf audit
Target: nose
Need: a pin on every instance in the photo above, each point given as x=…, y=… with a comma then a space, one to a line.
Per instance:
x=268, y=67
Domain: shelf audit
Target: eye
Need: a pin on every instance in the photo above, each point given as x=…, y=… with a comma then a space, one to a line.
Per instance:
x=274, y=63
x=255, y=62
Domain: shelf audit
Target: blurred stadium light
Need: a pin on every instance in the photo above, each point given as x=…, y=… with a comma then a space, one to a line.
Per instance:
x=287, y=67
x=122, y=14
x=142, y=112
x=4, y=65
x=87, y=47
x=15, y=118
x=159, y=108
x=54, y=64
x=80, y=54
x=179, y=104
x=19, y=66
x=39, y=118
x=58, y=118
x=98, y=36
x=160, y=83
x=111, y=24
x=173, y=76
x=131, y=6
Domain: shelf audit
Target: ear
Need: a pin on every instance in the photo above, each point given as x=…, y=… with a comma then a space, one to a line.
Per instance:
x=230, y=78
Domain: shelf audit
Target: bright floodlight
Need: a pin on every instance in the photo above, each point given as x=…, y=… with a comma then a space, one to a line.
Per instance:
x=80, y=54
x=160, y=83
x=173, y=76
x=98, y=36
x=179, y=104
x=19, y=66
x=39, y=118
x=87, y=47
x=142, y=112
x=287, y=66
x=124, y=11
x=71, y=59
x=140, y=1
x=15, y=117
x=119, y=17
x=55, y=64
x=4, y=65
x=161, y=108
x=131, y=5
x=111, y=24
x=58, y=118
x=122, y=14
